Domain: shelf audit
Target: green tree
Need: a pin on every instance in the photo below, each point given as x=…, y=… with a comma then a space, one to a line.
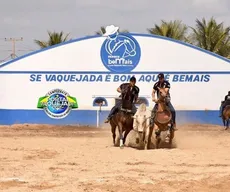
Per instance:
x=102, y=31
x=54, y=38
x=172, y=29
x=211, y=36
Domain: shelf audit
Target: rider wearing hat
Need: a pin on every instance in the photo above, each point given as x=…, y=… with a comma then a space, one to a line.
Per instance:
x=224, y=103
x=162, y=83
x=123, y=88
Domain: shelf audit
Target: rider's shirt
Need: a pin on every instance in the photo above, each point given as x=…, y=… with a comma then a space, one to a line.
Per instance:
x=227, y=97
x=125, y=88
x=164, y=84
x=227, y=100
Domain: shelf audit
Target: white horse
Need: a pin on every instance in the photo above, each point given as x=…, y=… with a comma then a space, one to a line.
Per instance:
x=141, y=124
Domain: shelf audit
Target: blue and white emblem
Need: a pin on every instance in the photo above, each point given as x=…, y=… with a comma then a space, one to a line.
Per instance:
x=119, y=52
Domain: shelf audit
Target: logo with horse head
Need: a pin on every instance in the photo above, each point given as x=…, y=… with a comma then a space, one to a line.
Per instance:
x=119, y=52
x=57, y=103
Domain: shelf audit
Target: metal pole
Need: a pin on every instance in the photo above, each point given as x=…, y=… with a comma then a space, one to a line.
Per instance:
x=98, y=118
x=98, y=115
x=13, y=40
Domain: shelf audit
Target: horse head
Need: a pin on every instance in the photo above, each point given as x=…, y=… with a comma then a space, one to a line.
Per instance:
x=141, y=119
x=162, y=99
x=162, y=94
x=163, y=115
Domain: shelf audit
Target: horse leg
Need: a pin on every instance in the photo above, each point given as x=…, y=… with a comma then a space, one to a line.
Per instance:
x=223, y=121
x=158, y=137
x=150, y=137
x=146, y=137
x=121, y=135
x=113, y=130
x=158, y=140
x=227, y=124
x=169, y=131
x=171, y=137
x=125, y=134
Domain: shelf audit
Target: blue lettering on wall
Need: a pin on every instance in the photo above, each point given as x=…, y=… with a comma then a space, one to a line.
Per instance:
x=193, y=78
x=35, y=77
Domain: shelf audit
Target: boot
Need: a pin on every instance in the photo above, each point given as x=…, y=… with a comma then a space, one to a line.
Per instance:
x=112, y=112
x=152, y=118
x=174, y=127
x=107, y=120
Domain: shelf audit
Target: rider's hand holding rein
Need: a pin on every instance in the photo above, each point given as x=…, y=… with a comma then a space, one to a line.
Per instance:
x=119, y=90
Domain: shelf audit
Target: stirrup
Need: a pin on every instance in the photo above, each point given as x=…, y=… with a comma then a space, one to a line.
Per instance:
x=107, y=120
x=174, y=127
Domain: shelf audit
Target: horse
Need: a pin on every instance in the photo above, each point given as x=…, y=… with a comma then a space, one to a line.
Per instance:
x=163, y=119
x=226, y=116
x=141, y=125
x=123, y=120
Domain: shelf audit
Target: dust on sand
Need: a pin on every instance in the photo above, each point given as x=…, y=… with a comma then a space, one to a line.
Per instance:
x=72, y=158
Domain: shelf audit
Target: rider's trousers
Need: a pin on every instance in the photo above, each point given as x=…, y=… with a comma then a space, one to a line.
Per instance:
x=220, y=110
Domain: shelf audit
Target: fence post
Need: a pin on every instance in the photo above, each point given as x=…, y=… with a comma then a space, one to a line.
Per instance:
x=98, y=115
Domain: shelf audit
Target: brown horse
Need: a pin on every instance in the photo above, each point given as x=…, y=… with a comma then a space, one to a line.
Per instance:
x=162, y=119
x=226, y=116
x=123, y=120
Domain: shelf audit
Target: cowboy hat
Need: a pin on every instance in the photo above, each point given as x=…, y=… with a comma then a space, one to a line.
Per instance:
x=110, y=30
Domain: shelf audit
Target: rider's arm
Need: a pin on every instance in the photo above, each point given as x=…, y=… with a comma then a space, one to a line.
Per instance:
x=136, y=94
x=167, y=87
x=226, y=97
x=154, y=91
x=153, y=94
x=119, y=89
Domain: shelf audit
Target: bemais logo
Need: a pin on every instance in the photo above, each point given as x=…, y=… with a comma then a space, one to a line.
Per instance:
x=119, y=52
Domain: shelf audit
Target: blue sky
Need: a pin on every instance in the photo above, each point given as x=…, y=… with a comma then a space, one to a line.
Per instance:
x=31, y=19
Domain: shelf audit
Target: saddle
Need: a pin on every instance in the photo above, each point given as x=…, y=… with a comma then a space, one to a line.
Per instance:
x=226, y=103
x=126, y=106
x=163, y=117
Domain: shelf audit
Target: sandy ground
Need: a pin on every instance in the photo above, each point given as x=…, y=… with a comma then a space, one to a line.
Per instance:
x=72, y=159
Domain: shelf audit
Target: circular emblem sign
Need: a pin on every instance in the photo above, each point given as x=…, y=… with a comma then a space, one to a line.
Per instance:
x=57, y=103
x=120, y=53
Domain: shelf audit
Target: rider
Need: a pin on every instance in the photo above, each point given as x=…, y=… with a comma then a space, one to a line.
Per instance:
x=224, y=103
x=122, y=89
x=162, y=83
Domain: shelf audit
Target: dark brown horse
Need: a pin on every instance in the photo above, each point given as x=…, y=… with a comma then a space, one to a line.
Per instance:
x=124, y=121
x=163, y=119
x=123, y=118
x=226, y=116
